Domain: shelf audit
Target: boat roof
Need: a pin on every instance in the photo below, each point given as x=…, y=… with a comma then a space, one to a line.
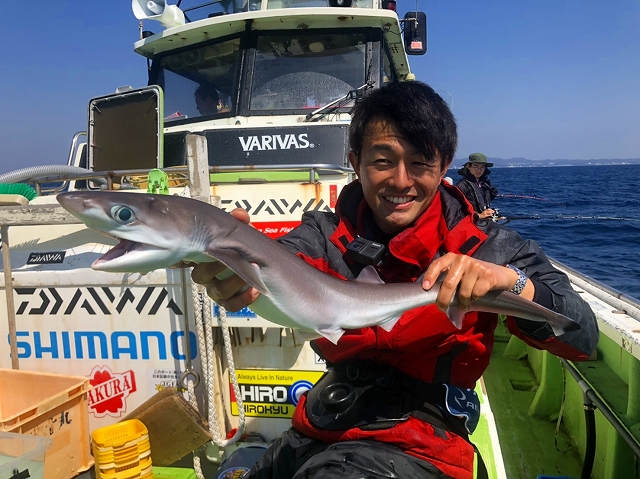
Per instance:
x=208, y=29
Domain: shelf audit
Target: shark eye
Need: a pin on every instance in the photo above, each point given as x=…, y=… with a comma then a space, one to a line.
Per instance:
x=122, y=214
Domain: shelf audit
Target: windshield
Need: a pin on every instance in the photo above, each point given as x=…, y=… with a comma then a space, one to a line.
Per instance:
x=306, y=71
x=200, y=82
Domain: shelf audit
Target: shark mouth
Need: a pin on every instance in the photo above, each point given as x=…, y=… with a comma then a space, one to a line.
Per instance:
x=121, y=249
x=133, y=257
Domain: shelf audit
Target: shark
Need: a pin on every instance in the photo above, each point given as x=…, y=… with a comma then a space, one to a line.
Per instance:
x=160, y=231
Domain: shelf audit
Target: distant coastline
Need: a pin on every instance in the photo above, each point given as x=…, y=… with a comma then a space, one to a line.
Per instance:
x=526, y=163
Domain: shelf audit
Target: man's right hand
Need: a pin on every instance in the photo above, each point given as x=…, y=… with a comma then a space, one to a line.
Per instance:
x=231, y=292
x=488, y=213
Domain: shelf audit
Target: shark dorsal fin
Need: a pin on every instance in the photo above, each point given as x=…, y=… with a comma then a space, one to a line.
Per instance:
x=369, y=275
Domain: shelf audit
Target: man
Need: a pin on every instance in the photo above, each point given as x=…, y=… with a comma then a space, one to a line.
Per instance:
x=381, y=410
x=207, y=100
x=476, y=186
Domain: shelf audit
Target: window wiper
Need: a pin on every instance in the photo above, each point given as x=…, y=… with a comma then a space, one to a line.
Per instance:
x=317, y=115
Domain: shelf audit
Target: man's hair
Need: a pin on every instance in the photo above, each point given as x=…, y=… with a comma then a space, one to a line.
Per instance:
x=417, y=111
x=206, y=90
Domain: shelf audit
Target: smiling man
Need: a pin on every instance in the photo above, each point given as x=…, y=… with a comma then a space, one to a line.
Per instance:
x=397, y=181
x=401, y=403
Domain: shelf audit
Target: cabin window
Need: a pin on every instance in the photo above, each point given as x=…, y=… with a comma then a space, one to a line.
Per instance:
x=200, y=82
x=306, y=71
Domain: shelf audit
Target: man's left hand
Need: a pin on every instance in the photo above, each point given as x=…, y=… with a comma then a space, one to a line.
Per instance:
x=470, y=278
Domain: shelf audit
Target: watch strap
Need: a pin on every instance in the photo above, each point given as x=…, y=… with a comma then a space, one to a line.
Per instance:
x=520, y=283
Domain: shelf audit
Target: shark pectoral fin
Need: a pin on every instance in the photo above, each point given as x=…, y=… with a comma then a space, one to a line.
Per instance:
x=332, y=335
x=243, y=268
x=562, y=324
x=308, y=335
x=390, y=323
x=557, y=329
x=456, y=315
x=369, y=275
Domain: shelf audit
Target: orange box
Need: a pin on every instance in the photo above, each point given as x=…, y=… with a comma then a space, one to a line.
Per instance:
x=53, y=406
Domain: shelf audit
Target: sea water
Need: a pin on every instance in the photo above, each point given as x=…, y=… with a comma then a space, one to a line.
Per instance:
x=586, y=217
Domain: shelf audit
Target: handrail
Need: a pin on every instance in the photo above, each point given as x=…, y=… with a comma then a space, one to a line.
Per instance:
x=611, y=296
x=74, y=146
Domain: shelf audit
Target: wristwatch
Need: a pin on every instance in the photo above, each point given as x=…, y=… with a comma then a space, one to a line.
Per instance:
x=520, y=283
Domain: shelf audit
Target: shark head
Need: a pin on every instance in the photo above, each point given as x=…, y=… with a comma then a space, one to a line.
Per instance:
x=151, y=234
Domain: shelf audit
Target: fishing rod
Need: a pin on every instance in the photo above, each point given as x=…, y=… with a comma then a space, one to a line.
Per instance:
x=504, y=219
x=528, y=197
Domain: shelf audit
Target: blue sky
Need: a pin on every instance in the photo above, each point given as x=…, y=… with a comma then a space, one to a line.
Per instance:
x=541, y=79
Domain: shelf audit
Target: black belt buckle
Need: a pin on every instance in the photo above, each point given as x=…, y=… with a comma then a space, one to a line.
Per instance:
x=337, y=397
x=343, y=400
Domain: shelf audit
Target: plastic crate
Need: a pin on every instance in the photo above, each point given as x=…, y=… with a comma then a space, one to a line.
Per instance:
x=121, y=434
x=20, y=452
x=122, y=451
x=52, y=406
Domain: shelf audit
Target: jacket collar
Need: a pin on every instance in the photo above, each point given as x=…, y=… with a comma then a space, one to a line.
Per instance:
x=413, y=249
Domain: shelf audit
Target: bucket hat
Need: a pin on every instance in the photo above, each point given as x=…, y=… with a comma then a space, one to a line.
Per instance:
x=479, y=158
x=476, y=158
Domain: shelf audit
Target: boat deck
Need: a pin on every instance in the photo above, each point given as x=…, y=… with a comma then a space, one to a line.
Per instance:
x=527, y=443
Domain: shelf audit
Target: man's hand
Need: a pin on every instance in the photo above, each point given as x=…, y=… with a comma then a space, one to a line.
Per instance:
x=471, y=278
x=230, y=292
x=488, y=213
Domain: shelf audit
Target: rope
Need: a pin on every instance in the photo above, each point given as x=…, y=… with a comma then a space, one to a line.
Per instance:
x=194, y=403
x=204, y=335
x=197, y=467
x=222, y=316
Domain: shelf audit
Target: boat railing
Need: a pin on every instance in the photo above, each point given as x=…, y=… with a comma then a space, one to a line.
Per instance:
x=109, y=177
x=593, y=399
x=609, y=295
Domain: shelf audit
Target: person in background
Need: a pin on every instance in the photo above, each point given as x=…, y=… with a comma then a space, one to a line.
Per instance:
x=207, y=100
x=476, y=186
x=394, y=413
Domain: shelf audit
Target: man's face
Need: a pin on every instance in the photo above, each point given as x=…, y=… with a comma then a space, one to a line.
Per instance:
x=477, y=169
x=206, y=105
x=398, y=182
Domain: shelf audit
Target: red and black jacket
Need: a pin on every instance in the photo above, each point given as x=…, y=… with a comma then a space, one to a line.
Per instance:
x=424, y=344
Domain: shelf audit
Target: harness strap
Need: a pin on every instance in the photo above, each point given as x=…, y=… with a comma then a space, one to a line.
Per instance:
x=429, y=398
x=420, y=394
